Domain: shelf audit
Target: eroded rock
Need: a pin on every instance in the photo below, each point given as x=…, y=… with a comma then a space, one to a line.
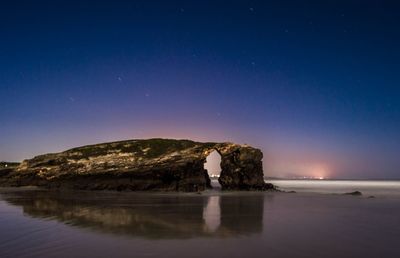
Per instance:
x=355, y=193
x=153, y=164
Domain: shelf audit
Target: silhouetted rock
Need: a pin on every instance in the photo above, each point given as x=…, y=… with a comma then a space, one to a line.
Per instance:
x=7, y=167
x=153, y=164
x=355, y=193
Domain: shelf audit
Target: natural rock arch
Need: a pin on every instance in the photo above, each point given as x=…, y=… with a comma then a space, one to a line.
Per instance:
x=152, y=164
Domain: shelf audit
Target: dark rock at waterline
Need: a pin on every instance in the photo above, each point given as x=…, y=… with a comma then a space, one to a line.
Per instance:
x=152, y=164
x=355, y=193
x=7, y=167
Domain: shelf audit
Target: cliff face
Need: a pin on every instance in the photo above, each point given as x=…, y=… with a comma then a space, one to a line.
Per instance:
x=153, y=164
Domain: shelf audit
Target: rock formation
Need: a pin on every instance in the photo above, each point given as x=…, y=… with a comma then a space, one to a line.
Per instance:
x=152, y=164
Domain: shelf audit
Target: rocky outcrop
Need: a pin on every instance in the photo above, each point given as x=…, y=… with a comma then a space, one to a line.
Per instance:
x=355, y=193
x=153, y=164
x=7, y=167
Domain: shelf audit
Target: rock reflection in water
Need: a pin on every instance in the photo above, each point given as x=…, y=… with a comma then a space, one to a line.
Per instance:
x=212, y=214
x=147, y=215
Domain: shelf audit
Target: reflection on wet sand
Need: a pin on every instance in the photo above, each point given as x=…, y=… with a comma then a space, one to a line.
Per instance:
x=212, y=214
x=146, y=215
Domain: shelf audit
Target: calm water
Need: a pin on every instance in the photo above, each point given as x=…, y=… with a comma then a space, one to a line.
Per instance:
x=367, y=187
x=40, y=223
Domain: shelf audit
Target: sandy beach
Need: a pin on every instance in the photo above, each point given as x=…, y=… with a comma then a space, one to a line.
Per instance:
x=37, y=222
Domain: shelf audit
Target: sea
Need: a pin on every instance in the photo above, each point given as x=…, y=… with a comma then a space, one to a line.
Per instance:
x=307, y=218
x=381, y=188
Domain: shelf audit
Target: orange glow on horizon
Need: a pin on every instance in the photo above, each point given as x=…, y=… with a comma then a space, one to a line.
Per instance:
x=304, y=169
x=319, y=171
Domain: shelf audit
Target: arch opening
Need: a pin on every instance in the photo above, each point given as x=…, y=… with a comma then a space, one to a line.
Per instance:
x=213, y=167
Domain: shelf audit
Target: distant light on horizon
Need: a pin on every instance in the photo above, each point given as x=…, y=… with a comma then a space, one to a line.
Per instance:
x=302, y=170
x=320, y=171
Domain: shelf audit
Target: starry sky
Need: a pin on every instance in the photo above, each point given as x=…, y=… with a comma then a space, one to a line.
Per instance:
x=314, y=84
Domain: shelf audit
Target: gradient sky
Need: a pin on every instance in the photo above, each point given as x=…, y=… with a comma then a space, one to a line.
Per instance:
x=314, y=84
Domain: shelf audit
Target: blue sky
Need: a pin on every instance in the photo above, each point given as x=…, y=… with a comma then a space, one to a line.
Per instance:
x=314, y=84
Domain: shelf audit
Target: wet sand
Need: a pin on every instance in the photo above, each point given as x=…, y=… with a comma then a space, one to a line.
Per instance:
x=40, y=223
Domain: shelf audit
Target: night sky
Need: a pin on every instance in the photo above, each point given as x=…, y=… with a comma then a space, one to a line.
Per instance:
x=314, y=84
